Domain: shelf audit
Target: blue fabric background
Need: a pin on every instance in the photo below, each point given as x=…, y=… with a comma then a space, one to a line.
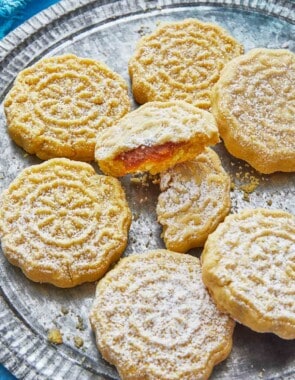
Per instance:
x=12, y=14
x=15, y=12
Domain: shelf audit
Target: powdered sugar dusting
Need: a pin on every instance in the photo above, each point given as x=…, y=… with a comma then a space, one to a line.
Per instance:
x=161, y=320
x=153, y=124
x=181, y=61
x=195, y=198
x=57, y=105
x=254, y=102
x=254, y=252
x=60, y=220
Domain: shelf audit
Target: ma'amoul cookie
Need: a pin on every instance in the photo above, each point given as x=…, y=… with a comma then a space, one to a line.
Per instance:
x=181, y=61
x=62, y=223
x=154, y=319
x=253, y=103
x=194, y=199
x=56, y=106
x=155, y=137
x=248, y=265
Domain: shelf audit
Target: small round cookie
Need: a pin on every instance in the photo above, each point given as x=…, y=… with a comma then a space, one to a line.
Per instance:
x=56, y=106
x=155, y=137
x=181, y=61
x=194, y=199
x=62, y=223
x=253, y=103
x=154, y=319
x=248, y=265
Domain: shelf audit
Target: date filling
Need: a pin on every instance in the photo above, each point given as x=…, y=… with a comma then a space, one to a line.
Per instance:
x=133, y=158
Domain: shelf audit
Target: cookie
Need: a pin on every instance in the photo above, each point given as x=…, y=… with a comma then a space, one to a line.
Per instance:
x=194, y=199
x=253, y=103
x=248, y=265
x=181, y=61
x=62, y=223
x=154, y=319
x=56, y=106
x=155, y=137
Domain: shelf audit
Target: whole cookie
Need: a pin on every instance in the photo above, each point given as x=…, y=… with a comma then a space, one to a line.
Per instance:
x=181, y=61
x=62, y=223
x=248, y=265
x=56, y=106
x=253, y=103
x=194, y=199
x=155, y=137
x=154, y=319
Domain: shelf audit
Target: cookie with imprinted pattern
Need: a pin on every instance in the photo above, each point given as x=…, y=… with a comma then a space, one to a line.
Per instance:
x=56, y=106
x=62, y=223
x=154, y=319
x=155, y=137
x=194, y=199
x=248, y=265
x=253, y=103
x=181, y=61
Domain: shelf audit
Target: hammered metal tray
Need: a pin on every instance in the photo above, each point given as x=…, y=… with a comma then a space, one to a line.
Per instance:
x=108, y=31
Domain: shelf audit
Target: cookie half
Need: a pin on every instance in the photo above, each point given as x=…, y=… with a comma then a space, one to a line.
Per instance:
x=248, y=265
x=194, y=199
x=155, y=137
x=253, y=103
x=181, y=61
x=62, y=223
x=56, y=106
x=154, y=319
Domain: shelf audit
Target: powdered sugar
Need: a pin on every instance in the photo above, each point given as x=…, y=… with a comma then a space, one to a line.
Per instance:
x=62, y=219
x=254, y=252
x=161, y=319
x=194, y=199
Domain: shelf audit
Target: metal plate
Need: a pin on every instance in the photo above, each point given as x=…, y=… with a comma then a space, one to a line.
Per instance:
x=108, y=31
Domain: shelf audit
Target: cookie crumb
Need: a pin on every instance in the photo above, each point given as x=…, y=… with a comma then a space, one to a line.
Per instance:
x=156, y=181
x=269, y=202
x=261, y=373
x=135, y=180
x=135, y=216
x=143, y=30
x=142, y=179
x=64, y=310
x=54, y=336
x=79, y=342
x=251, y=186
x=232, y=186
x=246, y=197
x=80, y=324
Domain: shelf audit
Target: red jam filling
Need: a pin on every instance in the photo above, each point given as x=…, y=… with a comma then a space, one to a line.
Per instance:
x=158, y=153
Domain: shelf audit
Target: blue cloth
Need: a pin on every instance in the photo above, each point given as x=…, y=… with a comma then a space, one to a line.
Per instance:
x=5, y=375
x=12, y=14
x=15, y=12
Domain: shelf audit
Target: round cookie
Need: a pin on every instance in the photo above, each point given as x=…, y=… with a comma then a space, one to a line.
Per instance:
x=181, y=61
x=253, y=103
x=154, y=319
x=248, y=265
x=62, y=223
x=194, y=199
x=155, y=137
x=56, y=106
